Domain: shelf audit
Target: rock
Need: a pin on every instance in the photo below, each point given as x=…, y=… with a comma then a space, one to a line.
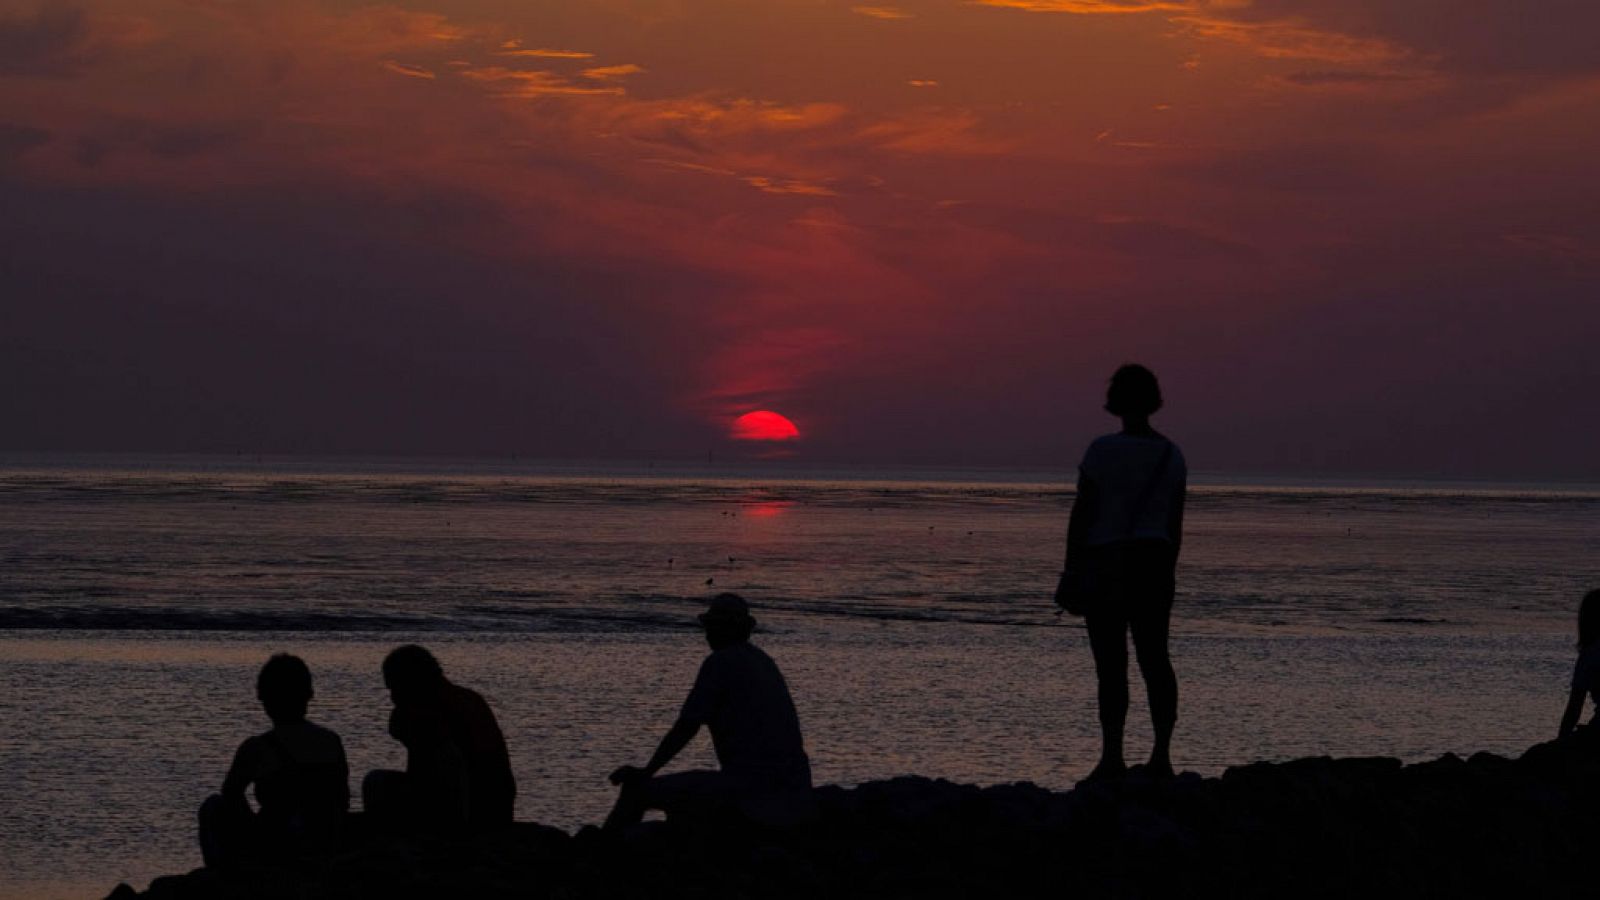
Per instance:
x=1316, y=827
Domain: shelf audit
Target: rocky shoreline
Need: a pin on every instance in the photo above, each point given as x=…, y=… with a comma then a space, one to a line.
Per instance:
x=1318, y=827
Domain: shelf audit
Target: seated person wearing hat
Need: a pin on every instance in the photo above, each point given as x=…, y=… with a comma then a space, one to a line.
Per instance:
x=741, y=697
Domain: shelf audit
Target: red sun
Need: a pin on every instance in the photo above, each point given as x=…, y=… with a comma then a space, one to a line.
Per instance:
x=763, y=425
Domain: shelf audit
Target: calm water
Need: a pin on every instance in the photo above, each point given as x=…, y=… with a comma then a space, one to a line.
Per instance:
x=910, y=612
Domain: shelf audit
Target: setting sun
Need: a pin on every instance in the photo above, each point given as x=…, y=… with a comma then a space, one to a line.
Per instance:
x=764, y=425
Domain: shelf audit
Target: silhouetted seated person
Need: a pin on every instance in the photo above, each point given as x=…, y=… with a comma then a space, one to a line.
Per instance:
x=741, y=697
x=1586, y=674
x=458, y=773
x=300, y=775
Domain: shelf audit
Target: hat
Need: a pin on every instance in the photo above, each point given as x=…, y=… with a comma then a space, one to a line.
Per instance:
x=728, y=609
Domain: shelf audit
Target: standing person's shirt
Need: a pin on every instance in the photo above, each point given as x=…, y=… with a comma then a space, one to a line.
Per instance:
x=741, y=697
x=301, y=778
x=1121, y=466
x=1586, y=674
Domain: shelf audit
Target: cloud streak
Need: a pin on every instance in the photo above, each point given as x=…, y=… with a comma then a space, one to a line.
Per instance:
x=447, y=220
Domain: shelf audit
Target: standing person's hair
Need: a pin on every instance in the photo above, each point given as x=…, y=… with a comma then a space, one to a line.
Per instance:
x=284, y=686
x=1134, y=391
x=1589, y=620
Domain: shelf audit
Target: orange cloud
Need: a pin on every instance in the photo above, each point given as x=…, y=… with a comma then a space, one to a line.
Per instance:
x=407, y=69
x=882, y=12
x=1282, y=37
x=524, y=84
x=542, y=53
x=742, y=115
x=376, y=30
x=1297, y=40
x=933, y=132
x=1103, y=7
x=607, y=73
x=788, y=186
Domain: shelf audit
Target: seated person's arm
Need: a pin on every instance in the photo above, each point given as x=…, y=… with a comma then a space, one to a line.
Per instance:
x=696, y=711
x=1569, y=719
x=242, y=772
x=677, y=737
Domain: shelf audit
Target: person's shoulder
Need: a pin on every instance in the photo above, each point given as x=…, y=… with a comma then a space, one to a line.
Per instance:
x=323, y=735
x=1177, y=451
x=1106, y=441
x=723, y=661
x=250, y=747
x=1101, y=446
x=712, y=675
x=460, y=692
x=467, y=698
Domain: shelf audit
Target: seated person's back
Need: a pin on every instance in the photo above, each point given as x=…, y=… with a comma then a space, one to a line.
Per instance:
x=457, y=753
x=458, y=772
x=299, y=772
x=742, y=698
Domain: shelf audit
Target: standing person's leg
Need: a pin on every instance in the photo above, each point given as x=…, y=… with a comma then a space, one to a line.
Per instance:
x=1150, y=621
x=1108, y=639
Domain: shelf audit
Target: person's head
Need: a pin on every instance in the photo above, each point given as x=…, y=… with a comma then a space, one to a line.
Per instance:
x=727, y=621
x=1134, y=393
x=284, y=688
x=1589, y=619
x=410, y=671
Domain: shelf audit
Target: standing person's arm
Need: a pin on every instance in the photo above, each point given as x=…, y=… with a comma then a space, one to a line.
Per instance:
x=1085, y=507
x=1175, y=515
x=1569, y=719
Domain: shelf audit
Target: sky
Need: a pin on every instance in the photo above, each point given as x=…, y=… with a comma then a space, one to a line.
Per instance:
x=1350, y=236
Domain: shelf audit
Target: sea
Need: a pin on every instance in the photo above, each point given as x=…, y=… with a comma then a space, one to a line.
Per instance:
x=910, y=611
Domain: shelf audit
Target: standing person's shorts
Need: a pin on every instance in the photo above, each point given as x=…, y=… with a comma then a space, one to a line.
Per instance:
x=1140, y=576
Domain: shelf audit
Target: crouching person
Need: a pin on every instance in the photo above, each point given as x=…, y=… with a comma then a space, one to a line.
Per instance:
x=458, y=772
x=300, y=776
x=741, y=697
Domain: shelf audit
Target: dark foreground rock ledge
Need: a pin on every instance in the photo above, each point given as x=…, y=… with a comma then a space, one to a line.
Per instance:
x=1313, y=827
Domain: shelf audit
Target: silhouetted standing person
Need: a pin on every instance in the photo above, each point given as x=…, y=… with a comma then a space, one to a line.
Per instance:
x=301, y=779
x=1586, y=674
x=742, y=698
x=458, y=772
x=1122, y=554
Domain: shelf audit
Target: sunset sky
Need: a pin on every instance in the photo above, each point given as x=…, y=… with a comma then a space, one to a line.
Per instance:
x=1350, y=235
